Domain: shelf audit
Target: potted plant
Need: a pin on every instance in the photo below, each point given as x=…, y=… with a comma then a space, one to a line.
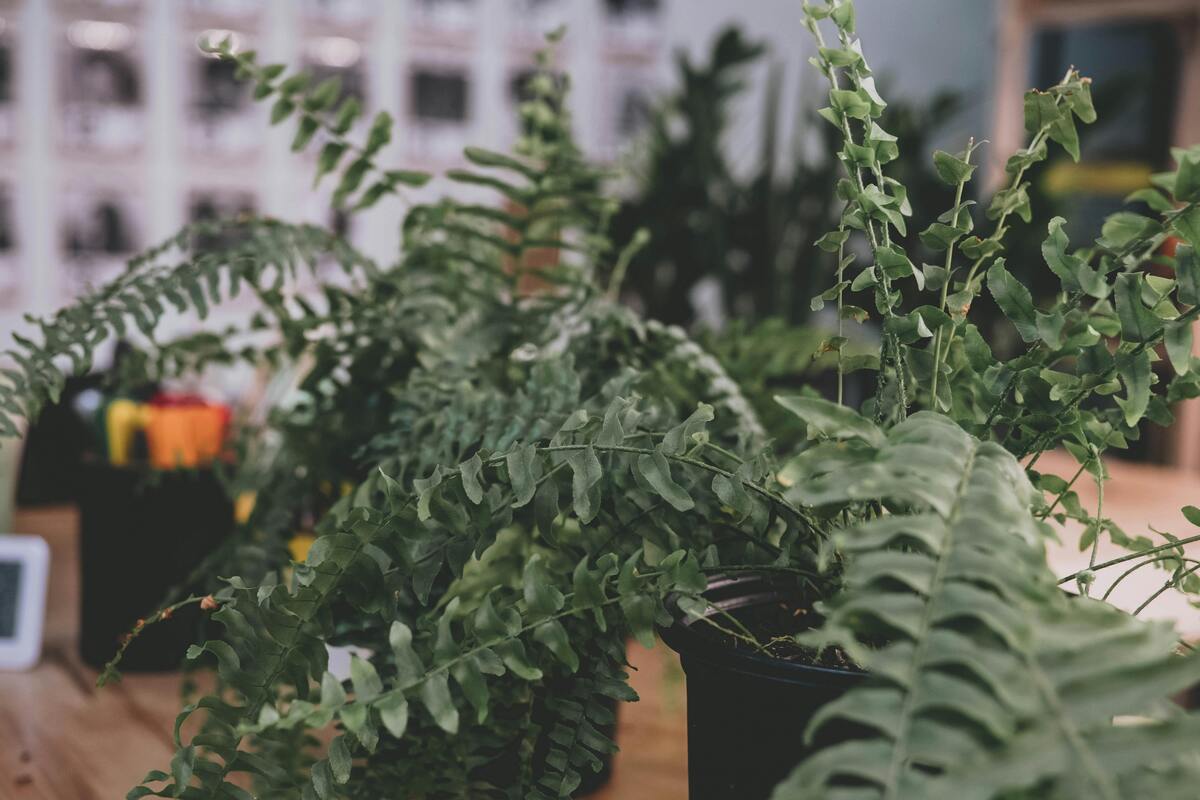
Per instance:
x=415, y=364
x=911, y=529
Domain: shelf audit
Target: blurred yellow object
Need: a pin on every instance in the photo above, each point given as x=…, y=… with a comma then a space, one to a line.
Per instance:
x=1107, y=178
x=122, y=420
x=243, y=507
x=299, y=545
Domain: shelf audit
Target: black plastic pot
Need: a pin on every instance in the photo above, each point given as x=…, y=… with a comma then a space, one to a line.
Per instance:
x=140, y=537
x=747, y=712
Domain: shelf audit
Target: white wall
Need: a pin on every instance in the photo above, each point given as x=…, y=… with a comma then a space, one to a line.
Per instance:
x=920, y=44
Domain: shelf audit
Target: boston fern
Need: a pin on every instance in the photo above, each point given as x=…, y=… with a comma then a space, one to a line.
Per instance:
x=537, y=475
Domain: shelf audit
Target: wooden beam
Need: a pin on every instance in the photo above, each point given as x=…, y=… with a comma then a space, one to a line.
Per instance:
x=1184, y=445
x=1075, y=12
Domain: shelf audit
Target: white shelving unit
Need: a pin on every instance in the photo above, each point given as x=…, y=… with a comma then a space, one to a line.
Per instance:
x=115, y=130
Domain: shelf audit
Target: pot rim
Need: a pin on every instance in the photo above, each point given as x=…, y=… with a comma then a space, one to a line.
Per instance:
x=739, y=591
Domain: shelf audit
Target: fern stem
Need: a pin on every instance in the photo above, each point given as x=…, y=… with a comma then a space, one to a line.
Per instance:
x=921, y=637
x=1130, y=557
x=1171, y=582
x=949, y=262
x=1148, y=562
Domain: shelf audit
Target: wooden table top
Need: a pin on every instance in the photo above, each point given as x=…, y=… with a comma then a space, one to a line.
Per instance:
x=63, y=739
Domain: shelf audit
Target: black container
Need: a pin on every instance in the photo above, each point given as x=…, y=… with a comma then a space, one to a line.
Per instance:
x=747, y=712
x=142, y=535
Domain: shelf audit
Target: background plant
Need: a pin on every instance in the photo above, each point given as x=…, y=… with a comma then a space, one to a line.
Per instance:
x=494, y=573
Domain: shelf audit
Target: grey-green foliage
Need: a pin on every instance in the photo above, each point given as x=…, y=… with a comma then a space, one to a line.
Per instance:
x=171, y=276
x=987, y=681
x=1084, y=377
x=611, y=505
x=533, y=510
x=427, y=386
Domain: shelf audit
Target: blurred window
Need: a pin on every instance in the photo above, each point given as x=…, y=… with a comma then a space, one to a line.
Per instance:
x=439, y=96
x=225, y=205
x=630, y=8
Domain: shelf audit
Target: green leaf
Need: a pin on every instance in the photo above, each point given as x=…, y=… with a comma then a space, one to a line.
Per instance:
x=1178, y=339
x=305, y=130
x=347, y=113
x=364, y=678
x=1187, y=225
x=1014, y=300
x=1050, y=328
x=281, y=110
x=1024, y=158
x=407, y=177
x=843, y=16
x=1079, y=100
x=839, y=58
x=1123, y=227
x=1151, y=197
x=1138, y=323
x=325, y=95
x=541, y=596
x=328, y=159
x=1135, y=373
x=182, y=766
x=895, y=264
x=951, y=169
x=380, y=133
x=469, y=677
x=1192, y=514
x=1063, y=131
x=830, y=420
x=1187, y=274
x=332, y=693
x=939, y=236
x=689, y=433
x=1013, y=200
x=409, y=668
x=850, y=102
x=818, y=302
x=339, y=759
x=322, y=781
x=470, y=471
x=435, y=694
x=1054, y=251
x=974, y=247
x=553, y=636
x=586, y=473
x=1187, y=179
x=393, y=711
x=864, y=280
x=522, y=464
x=1040, y=111
x=833, y=240
x=657, y=472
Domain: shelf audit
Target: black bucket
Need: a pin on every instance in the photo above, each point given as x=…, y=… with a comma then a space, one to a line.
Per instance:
x=747, y=712
x=141, y=536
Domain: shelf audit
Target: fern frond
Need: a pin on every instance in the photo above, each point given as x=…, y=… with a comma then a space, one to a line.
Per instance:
x=986, y=680
x=577, y=718
x=268, y=254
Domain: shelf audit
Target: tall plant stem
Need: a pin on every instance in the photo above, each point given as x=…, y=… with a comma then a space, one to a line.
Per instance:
x=887, y=341
x=841, y=323
x=1130, y=557
x=937, y=339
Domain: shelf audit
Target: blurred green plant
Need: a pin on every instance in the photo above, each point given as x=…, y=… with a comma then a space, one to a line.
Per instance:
x=751, y=236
